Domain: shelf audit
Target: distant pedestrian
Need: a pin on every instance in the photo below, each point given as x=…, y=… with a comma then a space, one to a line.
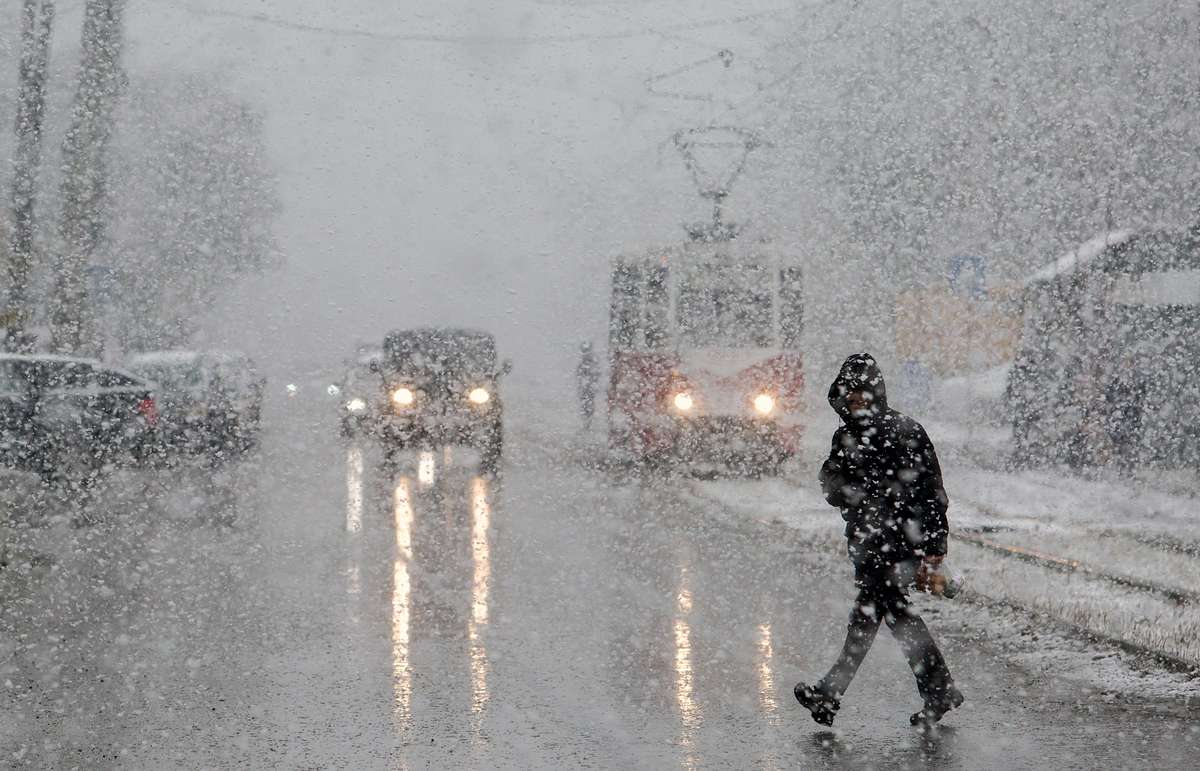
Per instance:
x=588, y=376
x=883, y=474
x=1123, y=398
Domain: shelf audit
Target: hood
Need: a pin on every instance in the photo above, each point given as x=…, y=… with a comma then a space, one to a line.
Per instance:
x=859, y=373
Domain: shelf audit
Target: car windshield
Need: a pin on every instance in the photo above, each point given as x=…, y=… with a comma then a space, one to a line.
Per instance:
x=359, y=380
x=176, y=377
x=441, y=351
x=107, y=378
x=54, y=375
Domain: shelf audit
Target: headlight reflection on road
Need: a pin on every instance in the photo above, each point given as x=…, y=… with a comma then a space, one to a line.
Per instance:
x=402, y=602
x=354, y=489
x=689, y=711
x=427, y=468
x=481, y=522
x=766, y=676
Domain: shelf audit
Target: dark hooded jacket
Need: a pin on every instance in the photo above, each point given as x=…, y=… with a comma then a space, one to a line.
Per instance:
x=883, y=474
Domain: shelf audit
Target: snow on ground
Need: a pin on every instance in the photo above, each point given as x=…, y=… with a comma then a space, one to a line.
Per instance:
x=1110, y=526
x=1057, y=497
x=1042, y=619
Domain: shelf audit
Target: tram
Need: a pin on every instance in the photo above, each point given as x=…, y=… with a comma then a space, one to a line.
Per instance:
x=706, y=359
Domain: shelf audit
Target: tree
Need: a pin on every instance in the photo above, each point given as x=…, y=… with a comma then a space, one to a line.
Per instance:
x=37, y=22
x=84, y=185
x=194, y=206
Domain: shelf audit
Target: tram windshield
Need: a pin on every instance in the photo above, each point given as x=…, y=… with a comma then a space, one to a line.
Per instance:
x=725, y=306
x=716, y=305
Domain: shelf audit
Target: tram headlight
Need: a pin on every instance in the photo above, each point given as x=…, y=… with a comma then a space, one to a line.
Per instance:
x=479, y=396
x=684, y=402
x=764, y=404
x=403, y=396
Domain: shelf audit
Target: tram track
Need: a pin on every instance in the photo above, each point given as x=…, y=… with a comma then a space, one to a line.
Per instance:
x=1095, y=619
x=1068, y=565
x=1160, y=541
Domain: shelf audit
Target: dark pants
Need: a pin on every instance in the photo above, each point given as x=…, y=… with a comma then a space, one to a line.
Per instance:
x=882, y=597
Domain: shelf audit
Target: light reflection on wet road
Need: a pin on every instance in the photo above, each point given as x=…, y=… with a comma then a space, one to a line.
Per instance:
x=426, y=616
x=354, y=489
x=402, y=602
x=690, y=716
x=481, y=514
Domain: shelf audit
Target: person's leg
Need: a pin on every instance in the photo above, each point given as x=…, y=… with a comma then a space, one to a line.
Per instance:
x=860, y=633
x=918, y=645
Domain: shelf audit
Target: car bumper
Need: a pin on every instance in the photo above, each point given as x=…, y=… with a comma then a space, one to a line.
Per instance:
x=200, y=434
x=723, y=440
x=715, y=439
x=437, y=430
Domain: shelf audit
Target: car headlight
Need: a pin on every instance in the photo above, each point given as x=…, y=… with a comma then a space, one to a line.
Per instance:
x=403, y=396
x=684, y=402
x=764, y=404
x=356, y=405
x=479, y=396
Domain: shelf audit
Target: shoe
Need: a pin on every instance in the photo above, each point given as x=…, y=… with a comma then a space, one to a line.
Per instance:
x=822, y=706
x=935, y=710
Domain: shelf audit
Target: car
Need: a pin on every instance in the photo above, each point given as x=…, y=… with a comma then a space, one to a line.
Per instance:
x=67, y=418
x=208, y=401
x=441, y=387
x=358, y=396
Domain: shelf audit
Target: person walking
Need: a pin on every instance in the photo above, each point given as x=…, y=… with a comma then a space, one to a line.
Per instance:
x=587, y=375
x=883, y=475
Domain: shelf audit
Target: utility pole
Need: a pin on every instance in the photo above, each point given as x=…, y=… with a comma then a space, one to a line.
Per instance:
x=37, y=22
x=84, y=182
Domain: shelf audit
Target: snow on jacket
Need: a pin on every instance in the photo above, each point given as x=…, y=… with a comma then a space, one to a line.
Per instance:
x=883, y=474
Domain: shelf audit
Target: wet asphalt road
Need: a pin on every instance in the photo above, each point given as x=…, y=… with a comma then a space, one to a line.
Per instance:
x=427, y=617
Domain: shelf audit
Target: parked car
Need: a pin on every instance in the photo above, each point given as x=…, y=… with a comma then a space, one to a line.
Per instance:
x=208, y=401
x=441, y=387
x=66, y=418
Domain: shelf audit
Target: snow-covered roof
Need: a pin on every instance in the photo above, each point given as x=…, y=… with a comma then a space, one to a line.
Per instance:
x=170, y=358
x=1079, y=256
x=180, y=358
x=48, y=357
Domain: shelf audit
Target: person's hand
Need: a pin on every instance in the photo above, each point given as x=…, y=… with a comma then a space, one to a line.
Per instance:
x=926, y=570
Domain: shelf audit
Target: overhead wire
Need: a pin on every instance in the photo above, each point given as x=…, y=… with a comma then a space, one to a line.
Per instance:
x=791, y=72
x=262, y=18
x=731, y=110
